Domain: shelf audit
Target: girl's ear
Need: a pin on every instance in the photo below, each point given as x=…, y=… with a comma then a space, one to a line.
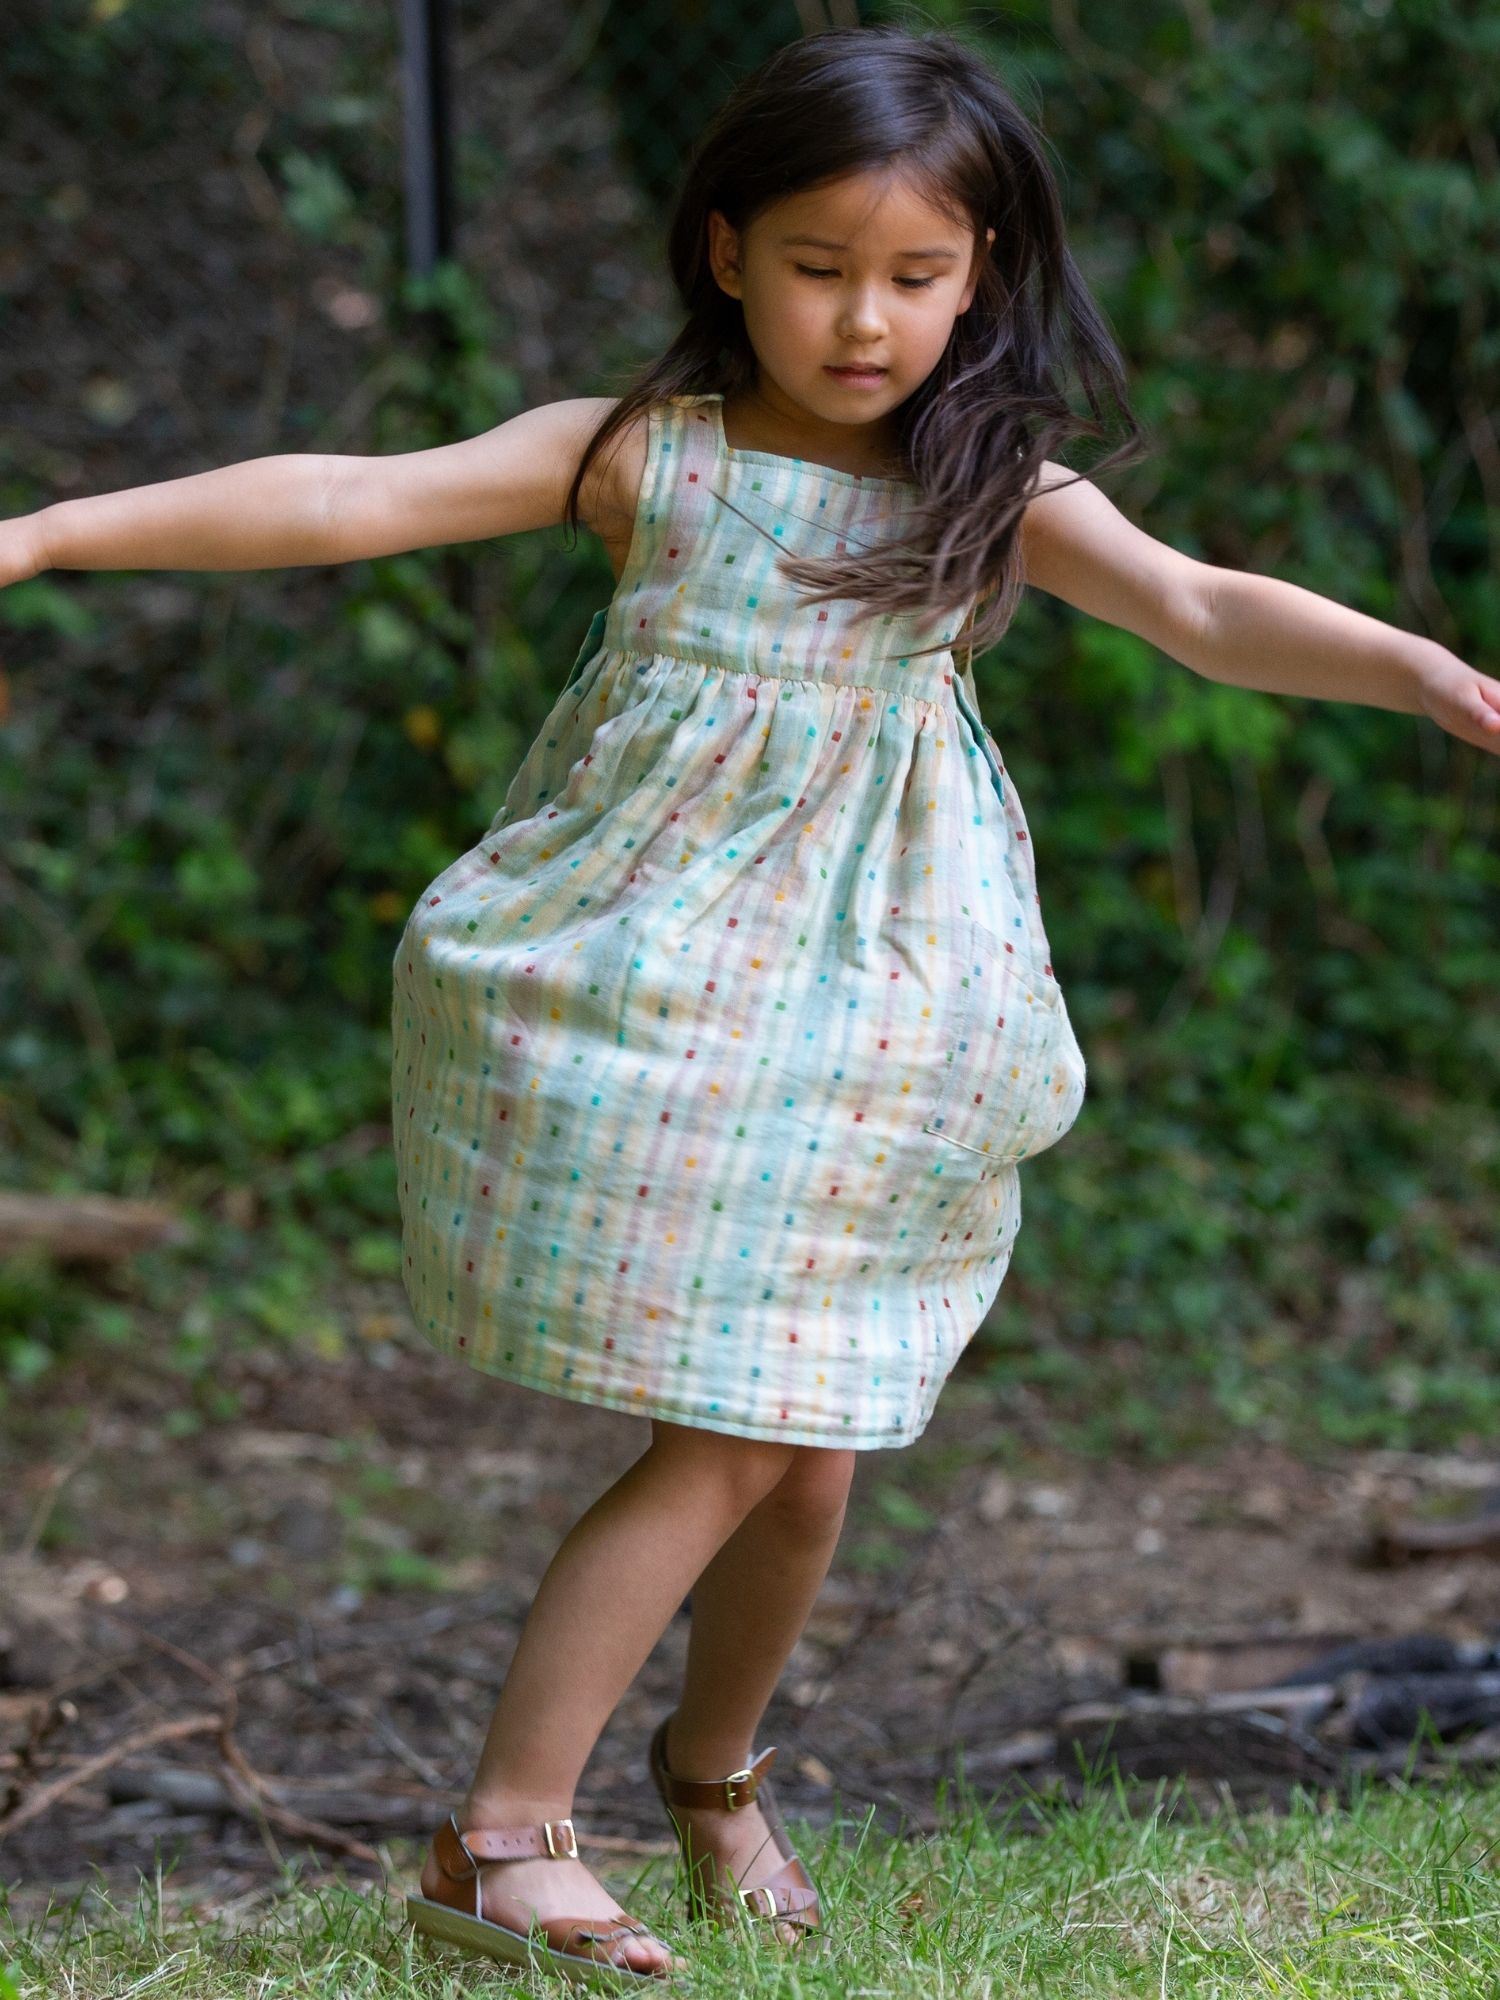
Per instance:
x=975, y=268
x=724, y=254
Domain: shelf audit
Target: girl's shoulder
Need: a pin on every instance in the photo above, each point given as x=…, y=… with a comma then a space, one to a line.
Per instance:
x=1056, y=496
x=617, y=472
x=613, y=479
x=610, y=498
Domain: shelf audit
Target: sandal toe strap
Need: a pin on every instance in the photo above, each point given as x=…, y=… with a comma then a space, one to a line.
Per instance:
x=560, y=1931
x=788, y=1893
x=780, y=1899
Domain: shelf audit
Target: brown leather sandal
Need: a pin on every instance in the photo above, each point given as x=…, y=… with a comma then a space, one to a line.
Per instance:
x=790, y=1897
x=529, y=1939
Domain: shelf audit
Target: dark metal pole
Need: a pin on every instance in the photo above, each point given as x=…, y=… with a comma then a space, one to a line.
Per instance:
x=426, y=87
x=427, y=99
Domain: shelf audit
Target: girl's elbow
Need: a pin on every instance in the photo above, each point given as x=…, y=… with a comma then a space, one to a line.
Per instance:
x=1200, y=600
x=339, y=505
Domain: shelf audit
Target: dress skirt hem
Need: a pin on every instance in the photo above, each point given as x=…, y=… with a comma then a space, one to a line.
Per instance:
x=628, y=1404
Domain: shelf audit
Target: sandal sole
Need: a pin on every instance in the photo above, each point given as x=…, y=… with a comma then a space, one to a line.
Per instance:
x=437, y=1923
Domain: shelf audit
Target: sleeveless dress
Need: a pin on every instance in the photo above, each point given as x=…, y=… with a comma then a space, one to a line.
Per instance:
x=714, y=1060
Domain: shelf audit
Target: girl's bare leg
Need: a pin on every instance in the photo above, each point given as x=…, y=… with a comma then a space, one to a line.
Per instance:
x=616, y=1580
x=749, y=1607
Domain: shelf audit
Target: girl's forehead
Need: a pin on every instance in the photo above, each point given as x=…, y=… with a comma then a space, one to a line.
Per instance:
x=878, y=207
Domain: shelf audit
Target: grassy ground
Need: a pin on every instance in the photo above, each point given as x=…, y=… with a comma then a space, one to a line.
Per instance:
x=1397, y=1895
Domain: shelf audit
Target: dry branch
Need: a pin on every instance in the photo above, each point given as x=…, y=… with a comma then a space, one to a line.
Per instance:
x=85, y=1228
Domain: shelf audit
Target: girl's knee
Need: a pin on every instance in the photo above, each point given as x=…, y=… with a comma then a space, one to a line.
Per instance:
x=744, y=1469
x=814, y=1490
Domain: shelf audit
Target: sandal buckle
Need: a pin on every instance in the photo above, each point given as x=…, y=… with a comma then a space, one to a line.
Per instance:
x=766, y=1909
x=569, y=1849
x=747, y=1782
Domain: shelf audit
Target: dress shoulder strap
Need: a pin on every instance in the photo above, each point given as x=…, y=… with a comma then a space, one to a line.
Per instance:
x=966, y=635
x=681, y=441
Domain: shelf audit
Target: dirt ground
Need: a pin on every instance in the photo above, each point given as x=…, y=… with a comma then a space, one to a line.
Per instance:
x=301, y=1617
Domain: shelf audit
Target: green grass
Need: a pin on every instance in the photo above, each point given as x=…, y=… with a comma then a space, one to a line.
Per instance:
x=1395, y=1894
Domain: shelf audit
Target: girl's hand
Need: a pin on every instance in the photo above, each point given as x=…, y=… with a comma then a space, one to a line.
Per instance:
x=1460, y=699
x=22, y=554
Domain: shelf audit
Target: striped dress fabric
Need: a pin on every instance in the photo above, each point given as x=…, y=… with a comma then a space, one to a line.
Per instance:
x=715, y=1058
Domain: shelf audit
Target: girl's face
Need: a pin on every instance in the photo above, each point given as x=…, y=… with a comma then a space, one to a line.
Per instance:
x=860, y=271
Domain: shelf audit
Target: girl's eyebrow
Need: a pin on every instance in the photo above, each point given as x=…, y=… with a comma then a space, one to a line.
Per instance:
x=823, y=243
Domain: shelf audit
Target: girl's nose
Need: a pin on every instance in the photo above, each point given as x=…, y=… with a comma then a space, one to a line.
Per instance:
x=862, y=320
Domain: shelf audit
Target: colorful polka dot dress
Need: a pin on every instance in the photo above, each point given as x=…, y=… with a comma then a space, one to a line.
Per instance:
x=715, y=1059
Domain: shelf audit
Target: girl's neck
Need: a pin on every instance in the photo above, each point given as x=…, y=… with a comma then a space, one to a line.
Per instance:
x=754, y=422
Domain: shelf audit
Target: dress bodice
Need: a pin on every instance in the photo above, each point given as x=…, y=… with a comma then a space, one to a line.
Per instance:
x=701, y=581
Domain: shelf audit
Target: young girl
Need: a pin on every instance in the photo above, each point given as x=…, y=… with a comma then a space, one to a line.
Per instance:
x=716, y=1057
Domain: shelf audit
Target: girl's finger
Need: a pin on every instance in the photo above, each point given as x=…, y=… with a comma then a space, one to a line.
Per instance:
x=1481, y=727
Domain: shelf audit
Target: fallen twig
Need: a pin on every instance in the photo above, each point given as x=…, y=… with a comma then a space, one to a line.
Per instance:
x=47, y=1796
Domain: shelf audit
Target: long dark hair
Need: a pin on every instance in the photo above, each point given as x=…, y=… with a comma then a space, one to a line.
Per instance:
x=974, y=435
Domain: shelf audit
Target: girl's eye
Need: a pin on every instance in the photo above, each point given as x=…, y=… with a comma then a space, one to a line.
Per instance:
x=911, y=284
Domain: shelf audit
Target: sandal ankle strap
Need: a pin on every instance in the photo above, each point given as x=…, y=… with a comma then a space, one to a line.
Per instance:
x=733, y=1792
x=460, y=1854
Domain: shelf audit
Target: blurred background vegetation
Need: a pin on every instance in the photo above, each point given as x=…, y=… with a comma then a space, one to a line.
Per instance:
x=1276, y=920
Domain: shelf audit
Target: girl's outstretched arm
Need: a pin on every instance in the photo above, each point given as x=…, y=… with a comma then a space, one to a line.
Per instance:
x=1236, y=626
x=302, y=508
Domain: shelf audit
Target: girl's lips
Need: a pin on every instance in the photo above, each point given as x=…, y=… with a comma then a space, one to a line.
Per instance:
x=858, y=374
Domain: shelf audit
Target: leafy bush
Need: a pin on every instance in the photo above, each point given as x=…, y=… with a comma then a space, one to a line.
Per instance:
x=1275, y=919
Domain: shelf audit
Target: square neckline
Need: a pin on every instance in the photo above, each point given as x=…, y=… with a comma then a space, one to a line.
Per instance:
x=731, y=453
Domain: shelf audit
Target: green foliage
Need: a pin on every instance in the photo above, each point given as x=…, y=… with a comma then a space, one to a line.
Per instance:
x=1274, y=919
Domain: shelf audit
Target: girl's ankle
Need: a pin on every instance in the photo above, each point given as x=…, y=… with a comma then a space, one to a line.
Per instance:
x=485, y=1809
x=698, y=1764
